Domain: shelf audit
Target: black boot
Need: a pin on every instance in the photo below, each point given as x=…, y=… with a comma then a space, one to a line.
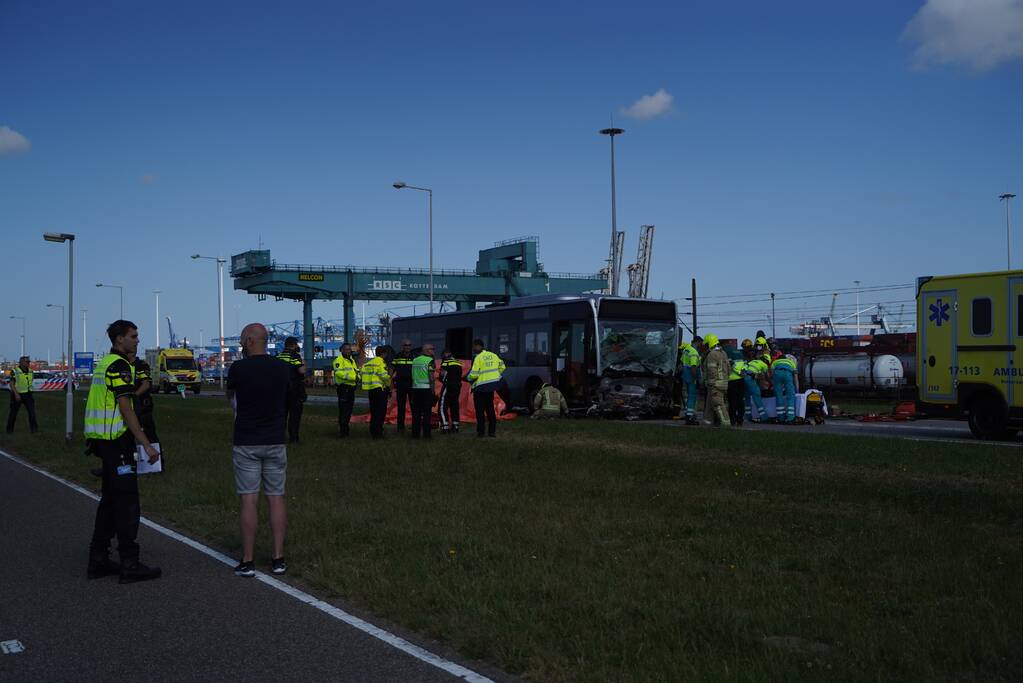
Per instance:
x=136, y=571
x=100, y=566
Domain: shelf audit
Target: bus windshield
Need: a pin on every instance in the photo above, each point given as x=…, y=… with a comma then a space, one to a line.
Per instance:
x=631, y=346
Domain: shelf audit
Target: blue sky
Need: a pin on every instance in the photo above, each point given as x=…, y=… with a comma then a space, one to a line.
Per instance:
x=806, y=145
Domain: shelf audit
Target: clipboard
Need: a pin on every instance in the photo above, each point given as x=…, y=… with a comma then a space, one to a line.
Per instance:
x=142, y=461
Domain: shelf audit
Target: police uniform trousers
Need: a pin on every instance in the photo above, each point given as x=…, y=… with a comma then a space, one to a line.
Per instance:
x=148, y=425
x=403, y=393
x=118, y=511
x=296, y=401
x=422, y=412
x=29, y=401
x=736, y=400
x=450, y=408
x=377, y=411
x=345, y=403
x=486, y=416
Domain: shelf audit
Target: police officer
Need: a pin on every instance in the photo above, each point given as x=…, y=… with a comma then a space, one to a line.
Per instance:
x=111, y=431
x=402, y=364
x=144, y=399
x=717, y=368
x=346, y=378
x=690, y=370
x=450, y=393
x=423, y=369
x=21, y=395
x=376, y=381
x=485, y=376
x=296, y=389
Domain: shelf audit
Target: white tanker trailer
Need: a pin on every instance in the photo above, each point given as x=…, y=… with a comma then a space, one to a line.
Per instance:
x=853, y=372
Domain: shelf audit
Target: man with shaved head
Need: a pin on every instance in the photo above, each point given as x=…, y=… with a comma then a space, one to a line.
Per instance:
x=257, y=386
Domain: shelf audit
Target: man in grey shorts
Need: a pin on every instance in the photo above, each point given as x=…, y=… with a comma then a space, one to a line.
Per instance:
x=257, y=387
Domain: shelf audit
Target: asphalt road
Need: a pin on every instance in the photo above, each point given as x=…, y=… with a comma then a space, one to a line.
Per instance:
x=198, y=622
x=921, y=430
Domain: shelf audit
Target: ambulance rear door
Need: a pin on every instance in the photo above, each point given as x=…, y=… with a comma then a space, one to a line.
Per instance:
x=938, y=315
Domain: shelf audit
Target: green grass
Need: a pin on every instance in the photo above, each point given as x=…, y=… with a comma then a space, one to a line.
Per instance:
x=589, y=550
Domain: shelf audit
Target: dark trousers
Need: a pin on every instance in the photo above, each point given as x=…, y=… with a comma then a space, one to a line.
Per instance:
x=486, y=416
x=29, y=401
x=148, y=425
x=422, y=412
x=736, y=401
x=345, y=403
x=450, y=408
x=404, y=395
x=377, y=412
x=118, y=511
x=296, y=401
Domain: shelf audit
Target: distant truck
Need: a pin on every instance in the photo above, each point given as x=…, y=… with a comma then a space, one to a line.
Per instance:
x=174, y=368
x=970, y=350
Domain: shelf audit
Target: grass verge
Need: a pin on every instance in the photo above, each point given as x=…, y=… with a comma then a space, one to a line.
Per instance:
x=611, y=551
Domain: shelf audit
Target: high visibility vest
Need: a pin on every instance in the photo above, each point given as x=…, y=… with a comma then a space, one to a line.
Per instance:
x=690, y=356
x=422, y=368
x=737, y=369
x=756, y=367
x=486, y=369
x=22, y=381
x=346, y=371
x=784, y=362
x=374, y=374
x=102, y=417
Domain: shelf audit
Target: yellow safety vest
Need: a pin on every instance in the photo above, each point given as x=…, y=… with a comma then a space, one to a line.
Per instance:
x=22, y=381
x=487, y=368
x=345, y=371
x=102, y=417
x=374, y=374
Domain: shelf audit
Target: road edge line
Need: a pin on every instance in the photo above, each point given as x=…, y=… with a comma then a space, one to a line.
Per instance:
x=383, y=635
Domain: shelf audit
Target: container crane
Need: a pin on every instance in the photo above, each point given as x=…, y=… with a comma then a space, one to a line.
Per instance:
x=639, y=272
x=173, y=337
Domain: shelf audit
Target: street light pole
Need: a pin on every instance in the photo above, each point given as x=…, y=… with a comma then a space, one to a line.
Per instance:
x=22, y=319
x=1005, y=197
x=61, y=329
x=612, y=267
x=120, y=294
x=85, y=332
x=857, y=283
x=157, y=293
x=220, y=309
x=69, y=393
x=401, y=186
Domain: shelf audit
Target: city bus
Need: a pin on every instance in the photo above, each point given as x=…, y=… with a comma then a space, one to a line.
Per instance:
x=611, y=355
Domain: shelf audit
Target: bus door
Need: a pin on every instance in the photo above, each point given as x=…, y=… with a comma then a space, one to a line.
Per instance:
x=937, y=346
x=1015, y=395
x=570, y=360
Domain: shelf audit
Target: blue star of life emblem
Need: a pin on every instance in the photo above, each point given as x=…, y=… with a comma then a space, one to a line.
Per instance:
x=939, y=312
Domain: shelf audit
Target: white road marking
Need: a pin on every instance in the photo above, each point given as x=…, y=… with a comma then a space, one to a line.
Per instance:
x=391, y=639
x=11, y=647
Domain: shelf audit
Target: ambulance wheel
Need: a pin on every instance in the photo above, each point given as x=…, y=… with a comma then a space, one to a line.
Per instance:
x=987, y=418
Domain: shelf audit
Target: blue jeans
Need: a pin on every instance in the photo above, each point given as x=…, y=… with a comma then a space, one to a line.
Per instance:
x=753, y=399
x=785, y=394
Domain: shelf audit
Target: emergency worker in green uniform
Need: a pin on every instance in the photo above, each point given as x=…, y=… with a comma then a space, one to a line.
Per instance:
x=111, y=431
x=21, y=395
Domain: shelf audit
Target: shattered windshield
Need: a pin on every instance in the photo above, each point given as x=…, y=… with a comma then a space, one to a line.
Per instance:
x=637, y=346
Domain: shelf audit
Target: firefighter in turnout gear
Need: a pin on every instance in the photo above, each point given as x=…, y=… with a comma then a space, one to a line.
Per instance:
x=346, y=379
x=296, y=388
x=549, y=403
x=21, y=395
x=717, y=367
x=376, y=381
x=450, y=392
x=402, y=364
x=485, y=377
x=111, y=431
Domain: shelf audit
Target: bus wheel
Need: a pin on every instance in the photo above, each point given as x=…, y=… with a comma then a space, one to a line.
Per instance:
x=987, y=418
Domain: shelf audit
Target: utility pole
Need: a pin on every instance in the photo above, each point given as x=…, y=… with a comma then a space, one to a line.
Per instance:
x=1005, y=197
x=857, y=283
x=774, y=331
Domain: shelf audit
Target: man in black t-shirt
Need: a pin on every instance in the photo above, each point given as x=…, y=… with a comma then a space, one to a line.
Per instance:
x=257, y=387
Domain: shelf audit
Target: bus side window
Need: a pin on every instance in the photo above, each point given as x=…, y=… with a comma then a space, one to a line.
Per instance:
x=506, y=344
x=537, y=346
x=459, y=340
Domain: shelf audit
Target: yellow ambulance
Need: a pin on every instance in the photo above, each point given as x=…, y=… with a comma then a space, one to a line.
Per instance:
x=969, y=339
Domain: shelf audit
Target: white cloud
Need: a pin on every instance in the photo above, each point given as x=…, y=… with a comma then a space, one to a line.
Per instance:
x=12, y=142
x=650, y=106
x=980, y=34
